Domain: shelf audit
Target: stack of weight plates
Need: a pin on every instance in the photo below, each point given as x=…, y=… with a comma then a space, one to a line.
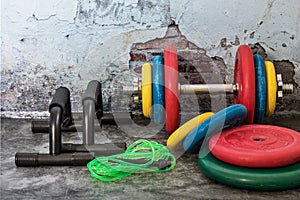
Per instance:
x=258, y=157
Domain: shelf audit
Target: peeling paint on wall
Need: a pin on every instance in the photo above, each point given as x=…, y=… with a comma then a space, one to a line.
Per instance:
x=123, y=13
x=273, y=23
x=67, y=43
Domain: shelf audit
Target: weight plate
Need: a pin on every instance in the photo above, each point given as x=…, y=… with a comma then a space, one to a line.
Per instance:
x=260, y=95
x=177, y=136
x=171, y=89
x=271, y=88
x=244, y=77
x=231, y=116
x=281, y=178
x=146, y=89
x=259, y=146
x=158, y=90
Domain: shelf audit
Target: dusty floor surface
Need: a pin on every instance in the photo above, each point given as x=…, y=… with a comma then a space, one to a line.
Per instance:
x=185, y=181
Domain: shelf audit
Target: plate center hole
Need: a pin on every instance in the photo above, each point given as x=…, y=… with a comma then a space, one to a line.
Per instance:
x=256, y=139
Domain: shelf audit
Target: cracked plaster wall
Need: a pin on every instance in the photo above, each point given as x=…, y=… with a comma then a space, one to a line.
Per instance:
x=219, y=27
x=47, y=44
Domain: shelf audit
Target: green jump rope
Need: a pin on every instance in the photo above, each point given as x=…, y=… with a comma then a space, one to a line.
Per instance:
x=140, y=156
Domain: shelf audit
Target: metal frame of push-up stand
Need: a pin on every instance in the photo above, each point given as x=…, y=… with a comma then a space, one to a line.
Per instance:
x=61, y=120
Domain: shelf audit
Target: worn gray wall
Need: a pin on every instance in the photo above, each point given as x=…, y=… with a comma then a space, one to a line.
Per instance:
x=52, y=43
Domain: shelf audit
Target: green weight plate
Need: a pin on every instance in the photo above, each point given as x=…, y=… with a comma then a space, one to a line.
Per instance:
x=281, y=178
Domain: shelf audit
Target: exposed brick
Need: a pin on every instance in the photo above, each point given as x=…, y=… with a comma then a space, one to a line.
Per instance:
x=192, y=78
x=192, y=46
x=195, y=66
x=213, y=77
x=137, y=56
x=219, y=62
x=192, y=60
x=138, y=69
x=193, y=55
x=150, y=55
x=184, y=78
x=182, y=67
x=178, y=42
x=202, y=66
x=257, y=48
x=186, y=66
x=287, y=70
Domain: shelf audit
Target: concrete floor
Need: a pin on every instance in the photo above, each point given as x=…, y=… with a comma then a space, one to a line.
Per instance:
x=185, y=181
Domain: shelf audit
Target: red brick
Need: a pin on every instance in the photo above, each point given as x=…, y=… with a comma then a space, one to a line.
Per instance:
x=182, y=66
x=191, y=78
x=138, y=69
x=186, y=67
x=137, y=56
x=193, y=55
x=201, y=66
x=156, y=53
x=192, y=46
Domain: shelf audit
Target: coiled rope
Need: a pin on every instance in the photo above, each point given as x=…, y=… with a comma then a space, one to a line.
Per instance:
x=140, y=156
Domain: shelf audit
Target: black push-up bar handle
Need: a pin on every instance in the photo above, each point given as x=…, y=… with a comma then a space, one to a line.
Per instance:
x=60, y=112
x=94, y=92
x=61, y=98
x=92, y=104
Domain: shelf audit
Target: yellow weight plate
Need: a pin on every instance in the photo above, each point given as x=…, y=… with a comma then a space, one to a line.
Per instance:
x=179, y=134
x=271, y=88
x=146, y=88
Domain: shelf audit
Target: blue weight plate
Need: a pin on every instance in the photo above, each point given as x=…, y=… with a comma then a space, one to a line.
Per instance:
x=158, y=91
x=261, y=90
x=231, y=116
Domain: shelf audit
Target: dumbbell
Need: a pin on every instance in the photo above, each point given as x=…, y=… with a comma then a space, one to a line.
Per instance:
x=256, y=86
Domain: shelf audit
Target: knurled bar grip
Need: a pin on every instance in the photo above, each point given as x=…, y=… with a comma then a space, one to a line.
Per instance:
x=36, y=159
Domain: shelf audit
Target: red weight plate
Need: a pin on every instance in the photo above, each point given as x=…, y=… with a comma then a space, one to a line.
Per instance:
x=257, y=146
x=171, y=89
x=244, y=76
